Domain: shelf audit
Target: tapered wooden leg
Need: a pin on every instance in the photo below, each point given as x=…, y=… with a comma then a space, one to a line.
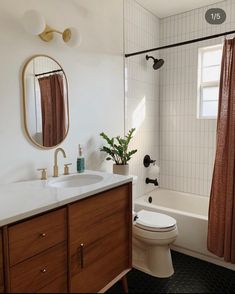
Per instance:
x=124, y=284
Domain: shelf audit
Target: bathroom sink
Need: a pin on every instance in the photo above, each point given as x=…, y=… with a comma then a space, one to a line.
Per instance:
x=76, y=181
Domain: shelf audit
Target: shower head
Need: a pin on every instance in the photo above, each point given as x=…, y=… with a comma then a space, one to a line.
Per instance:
x=157, y=63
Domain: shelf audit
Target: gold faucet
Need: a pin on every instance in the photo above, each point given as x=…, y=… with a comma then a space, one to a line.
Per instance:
x=56, y=169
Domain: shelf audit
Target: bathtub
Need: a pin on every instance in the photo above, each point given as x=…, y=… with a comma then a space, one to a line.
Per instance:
x=191, y=214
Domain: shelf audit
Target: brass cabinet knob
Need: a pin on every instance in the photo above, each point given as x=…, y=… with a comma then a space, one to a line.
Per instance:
x=43, y=235
x=43, y=270
x=44, y=173
x=66, y=168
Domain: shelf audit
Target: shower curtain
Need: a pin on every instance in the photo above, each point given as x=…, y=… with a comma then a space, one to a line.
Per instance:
x=221, y=226
x=53, y=109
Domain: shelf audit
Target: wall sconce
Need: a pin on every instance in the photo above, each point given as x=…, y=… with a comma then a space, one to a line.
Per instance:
x=35, y=24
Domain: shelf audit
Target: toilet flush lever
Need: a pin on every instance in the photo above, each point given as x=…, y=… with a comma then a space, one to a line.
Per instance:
x=135, y=218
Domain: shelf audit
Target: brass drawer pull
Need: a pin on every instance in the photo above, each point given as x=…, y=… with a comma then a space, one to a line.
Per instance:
x=43, y=235
x=44, y=270
x=81, y=249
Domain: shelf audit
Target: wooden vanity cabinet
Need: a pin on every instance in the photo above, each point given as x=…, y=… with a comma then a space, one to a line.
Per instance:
x=83, y=247
x=1, y=264
x=100, y=239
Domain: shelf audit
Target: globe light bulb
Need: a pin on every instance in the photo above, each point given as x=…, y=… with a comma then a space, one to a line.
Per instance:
x=33, y=22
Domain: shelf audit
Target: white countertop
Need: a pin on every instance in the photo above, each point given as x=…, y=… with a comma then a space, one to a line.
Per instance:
x=24, y=199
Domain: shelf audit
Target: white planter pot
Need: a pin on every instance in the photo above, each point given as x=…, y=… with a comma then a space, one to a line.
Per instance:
x=121, y=169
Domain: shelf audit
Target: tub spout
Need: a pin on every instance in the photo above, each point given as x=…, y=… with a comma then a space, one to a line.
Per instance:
x=150, y=181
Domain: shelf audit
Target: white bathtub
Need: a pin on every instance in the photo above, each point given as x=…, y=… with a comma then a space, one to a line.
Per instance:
x=191, y=214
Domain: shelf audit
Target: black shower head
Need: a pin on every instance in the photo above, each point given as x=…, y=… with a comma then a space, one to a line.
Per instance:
x=157, y=63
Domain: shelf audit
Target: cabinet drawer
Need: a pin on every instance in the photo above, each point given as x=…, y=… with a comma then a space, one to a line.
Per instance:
x=1, y=265
x=37, y=272
x=31, y=237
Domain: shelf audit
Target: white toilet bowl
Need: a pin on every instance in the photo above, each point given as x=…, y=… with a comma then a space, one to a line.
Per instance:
x=152, y=234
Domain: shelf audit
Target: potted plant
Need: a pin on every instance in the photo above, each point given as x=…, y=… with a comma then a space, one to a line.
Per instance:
x=118, y=152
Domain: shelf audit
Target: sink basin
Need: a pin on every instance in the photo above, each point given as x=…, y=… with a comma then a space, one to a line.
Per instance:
x=76, y=181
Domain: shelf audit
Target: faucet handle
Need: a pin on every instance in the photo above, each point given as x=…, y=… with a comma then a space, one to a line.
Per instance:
x=66, y=168
x=44, y=173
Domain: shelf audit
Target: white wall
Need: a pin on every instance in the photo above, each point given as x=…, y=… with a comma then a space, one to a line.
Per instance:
x=94, y=72
x=187, y=143
x=142, y=91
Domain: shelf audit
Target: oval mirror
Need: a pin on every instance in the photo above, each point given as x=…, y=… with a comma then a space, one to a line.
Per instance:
x=45, y=99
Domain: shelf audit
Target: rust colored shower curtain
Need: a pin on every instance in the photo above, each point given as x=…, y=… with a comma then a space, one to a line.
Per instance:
x=53, y=109
x=221, y=227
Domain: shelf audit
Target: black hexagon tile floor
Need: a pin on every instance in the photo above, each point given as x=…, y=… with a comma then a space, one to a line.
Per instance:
x=191, y=276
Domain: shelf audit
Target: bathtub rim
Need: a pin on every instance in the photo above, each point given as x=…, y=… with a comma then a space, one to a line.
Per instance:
x=143, y=202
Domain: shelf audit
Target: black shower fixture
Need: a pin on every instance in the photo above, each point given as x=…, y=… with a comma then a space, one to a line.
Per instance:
x=147, y=161
x=157, y=63
x=151, y=181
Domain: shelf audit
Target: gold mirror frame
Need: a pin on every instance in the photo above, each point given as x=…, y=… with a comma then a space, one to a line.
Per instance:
x=24, y=103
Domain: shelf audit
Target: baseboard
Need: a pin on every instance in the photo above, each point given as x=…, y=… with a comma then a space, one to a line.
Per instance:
x=203, y=257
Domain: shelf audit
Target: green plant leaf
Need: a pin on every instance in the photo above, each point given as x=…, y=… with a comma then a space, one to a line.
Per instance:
x=118, y=151
x=110, y=141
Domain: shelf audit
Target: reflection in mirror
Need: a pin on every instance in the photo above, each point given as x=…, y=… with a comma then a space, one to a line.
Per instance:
x=45, y=94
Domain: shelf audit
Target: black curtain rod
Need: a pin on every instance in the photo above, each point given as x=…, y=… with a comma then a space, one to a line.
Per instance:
x=180, y=44
x=49, y=72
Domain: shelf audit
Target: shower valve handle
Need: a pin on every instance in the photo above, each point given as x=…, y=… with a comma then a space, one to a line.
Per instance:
x=147, y=161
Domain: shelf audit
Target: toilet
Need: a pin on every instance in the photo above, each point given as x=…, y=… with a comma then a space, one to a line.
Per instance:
x=152, y=235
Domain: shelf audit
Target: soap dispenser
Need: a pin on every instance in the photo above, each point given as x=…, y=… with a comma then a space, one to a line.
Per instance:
x=80, y=160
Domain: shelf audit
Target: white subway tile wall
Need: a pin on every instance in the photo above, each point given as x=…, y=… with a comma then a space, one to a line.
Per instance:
x=142, y=91
x=162, y=104
x=187, y=143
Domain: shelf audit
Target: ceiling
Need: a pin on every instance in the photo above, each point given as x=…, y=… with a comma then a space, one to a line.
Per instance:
x=164, y=8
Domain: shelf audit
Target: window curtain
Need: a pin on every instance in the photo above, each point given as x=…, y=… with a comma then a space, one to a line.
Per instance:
x=221, y=225
x=53, y=109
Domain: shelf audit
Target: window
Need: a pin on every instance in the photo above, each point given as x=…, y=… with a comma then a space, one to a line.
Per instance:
x=209, y=64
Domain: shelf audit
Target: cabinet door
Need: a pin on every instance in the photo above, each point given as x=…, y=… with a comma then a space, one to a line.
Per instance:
x=1, y=265
x=100, y=239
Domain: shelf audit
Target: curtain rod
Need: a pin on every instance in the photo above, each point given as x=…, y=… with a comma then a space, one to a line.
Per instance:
x=180, y=44
x=49, y=72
